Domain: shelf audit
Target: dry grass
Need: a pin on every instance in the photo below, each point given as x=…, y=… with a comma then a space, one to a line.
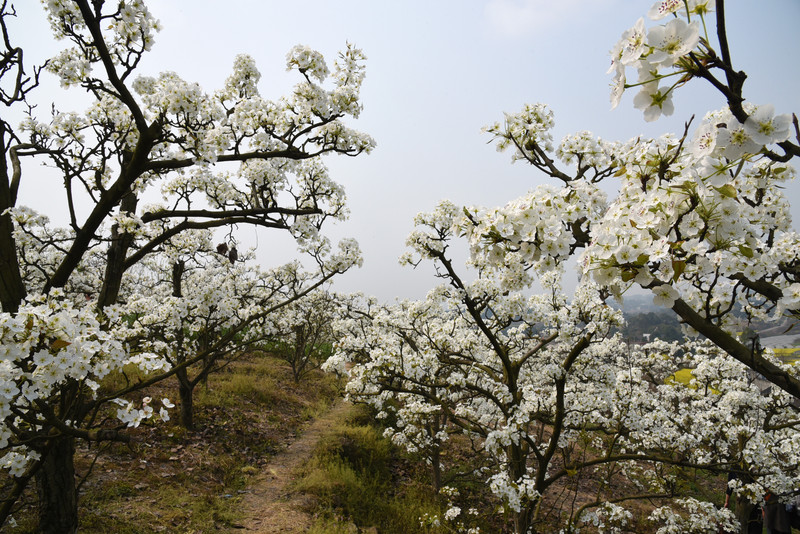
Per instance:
x=173, y=480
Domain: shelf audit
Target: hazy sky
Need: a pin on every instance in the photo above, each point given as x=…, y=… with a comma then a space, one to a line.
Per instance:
x=438, y=71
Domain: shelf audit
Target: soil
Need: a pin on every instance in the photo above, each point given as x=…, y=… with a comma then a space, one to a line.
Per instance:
x=269, y=504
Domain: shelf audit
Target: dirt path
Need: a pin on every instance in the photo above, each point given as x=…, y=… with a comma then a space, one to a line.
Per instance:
x=269, y=506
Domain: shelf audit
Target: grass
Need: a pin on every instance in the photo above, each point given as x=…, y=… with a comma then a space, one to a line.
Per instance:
x=359, y=480
x=173, y=480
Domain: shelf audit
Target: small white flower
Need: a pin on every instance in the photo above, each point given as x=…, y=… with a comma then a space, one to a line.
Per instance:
x=672, y=41
x=654, y=101
x=452, y=513
x=617, y=87
x=765, y=128
x=663, y=8
x=665, y=295
x=736, y=141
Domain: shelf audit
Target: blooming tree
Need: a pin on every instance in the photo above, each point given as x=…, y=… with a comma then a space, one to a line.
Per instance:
x=485, y=362
x=216, y=159
x=205, y=311
x=700, y=219
x=303, y=333
x=556, y=406
x=548, y=397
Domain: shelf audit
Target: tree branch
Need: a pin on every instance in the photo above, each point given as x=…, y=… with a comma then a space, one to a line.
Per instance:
x=738, y=351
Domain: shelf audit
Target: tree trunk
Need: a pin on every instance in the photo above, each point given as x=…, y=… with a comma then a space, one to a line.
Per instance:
x=185, y=392
x=177, y=278
x=300, y=357
x=12, y=290
x=436, y=452
x=517, y=468
x=185, y=385
x=748, y=515
x=117, y=253
x=436, y=467
x=55, y=483
x=523, y=520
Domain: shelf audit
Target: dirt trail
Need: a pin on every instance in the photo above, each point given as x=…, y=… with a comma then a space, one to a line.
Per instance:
x=270, y=506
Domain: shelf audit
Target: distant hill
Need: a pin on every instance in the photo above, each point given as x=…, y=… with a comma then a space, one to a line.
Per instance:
x=661, y=324
x=644, y=317
x=634, y=304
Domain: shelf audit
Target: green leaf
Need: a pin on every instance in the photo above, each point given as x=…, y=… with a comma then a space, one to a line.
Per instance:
x=727, y=191
x=747, y=252
x=59, y=344
x=678, y=267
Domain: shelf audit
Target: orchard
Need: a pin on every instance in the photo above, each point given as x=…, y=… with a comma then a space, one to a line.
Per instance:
x=145, y=279
x=76, y=301
x=539, y=382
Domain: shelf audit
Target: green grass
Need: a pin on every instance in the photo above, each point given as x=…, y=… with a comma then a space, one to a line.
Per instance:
x=117, y=380
x=231, y=388
x=262, y=380
x=159, y=509
x=351, y=478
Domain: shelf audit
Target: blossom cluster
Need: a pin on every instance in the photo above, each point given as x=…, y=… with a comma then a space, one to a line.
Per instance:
x=667, y=46
x=700, y=516
x=48, y=343
x=127, y=34
x=692, y=217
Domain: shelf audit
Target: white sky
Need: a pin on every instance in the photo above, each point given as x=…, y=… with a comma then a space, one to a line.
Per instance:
x=438, y=71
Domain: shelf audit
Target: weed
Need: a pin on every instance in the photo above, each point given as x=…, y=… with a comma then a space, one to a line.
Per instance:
x=362, y=448
x=351, y=478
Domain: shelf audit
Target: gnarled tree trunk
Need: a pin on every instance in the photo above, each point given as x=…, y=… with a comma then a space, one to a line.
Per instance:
x=55, y=483
x=524, y=518
x=748, y=516
x=117, y=253
x=12, y=290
